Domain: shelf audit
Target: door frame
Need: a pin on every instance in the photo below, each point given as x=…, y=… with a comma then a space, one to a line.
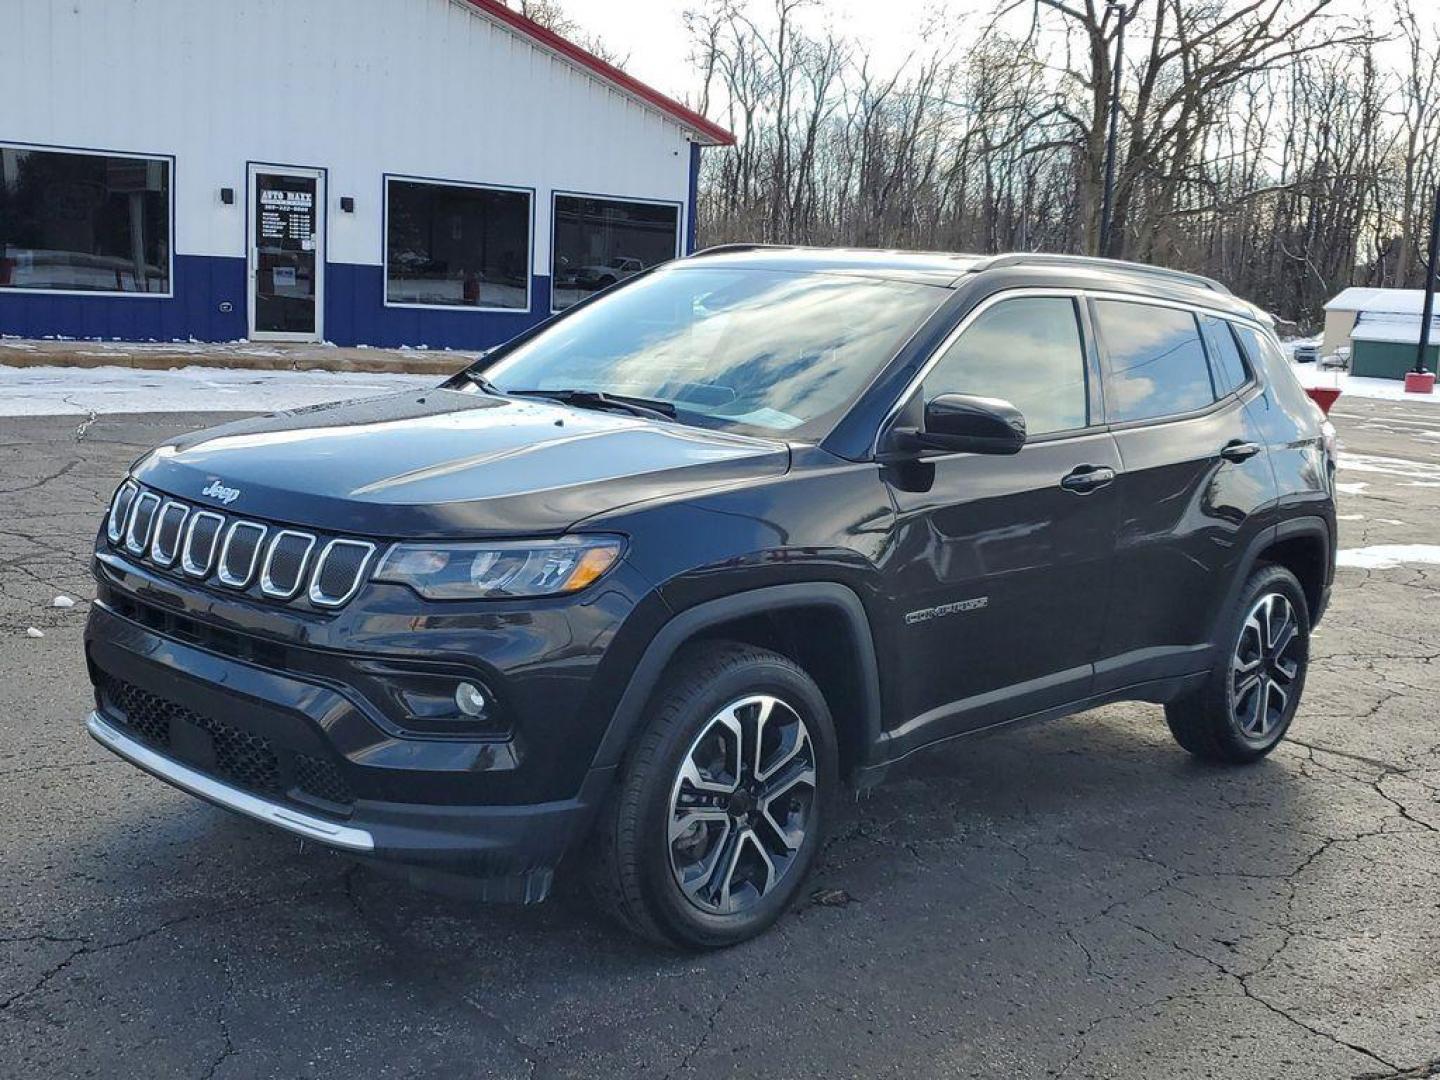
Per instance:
x=252, y=279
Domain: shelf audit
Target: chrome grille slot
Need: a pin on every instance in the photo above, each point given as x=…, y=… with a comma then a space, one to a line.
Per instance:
x=200, y=540
x=240, y=553
x=285, y=561
x=169, y=529
x=120, y=510
x=263, y=559
x=339, y=571
x=137, y=536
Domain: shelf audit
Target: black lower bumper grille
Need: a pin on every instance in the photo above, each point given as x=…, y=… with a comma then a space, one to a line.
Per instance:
x=241, y=758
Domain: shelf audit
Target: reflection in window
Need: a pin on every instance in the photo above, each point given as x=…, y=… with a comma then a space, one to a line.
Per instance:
x=601, y=241
x=1157, y=364
x=753, y=350
x=451, y=245
x=1226, y=365
x=87, y=222
x=1027, y=352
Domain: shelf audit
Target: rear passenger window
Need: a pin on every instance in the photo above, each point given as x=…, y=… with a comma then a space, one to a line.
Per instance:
x=1227, y=367
x=1025, y=351
x=1157, y=364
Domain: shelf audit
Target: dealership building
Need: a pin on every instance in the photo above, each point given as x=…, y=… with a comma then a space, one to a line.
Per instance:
x=365, y=172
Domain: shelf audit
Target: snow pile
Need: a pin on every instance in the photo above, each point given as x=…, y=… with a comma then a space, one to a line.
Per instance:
x=67, y=391
x=1388, y=556
x=1359, y=386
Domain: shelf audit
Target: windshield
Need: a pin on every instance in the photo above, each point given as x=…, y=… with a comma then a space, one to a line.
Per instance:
x=765, y=352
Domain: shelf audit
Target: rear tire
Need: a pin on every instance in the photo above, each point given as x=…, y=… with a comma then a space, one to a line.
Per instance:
x=712, y=829
x=1250, y=696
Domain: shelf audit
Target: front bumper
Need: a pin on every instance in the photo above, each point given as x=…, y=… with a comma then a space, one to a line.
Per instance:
x=300, y=752
x=496, y=853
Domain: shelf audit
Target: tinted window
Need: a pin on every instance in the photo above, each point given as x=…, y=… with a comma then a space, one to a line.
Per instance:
x=85, y=222
x=450, y=245
x=601, y=241
x=1227, y=367
x=1027, y=352
x=1265, y=355
x=1157, y=364
x=753, y=350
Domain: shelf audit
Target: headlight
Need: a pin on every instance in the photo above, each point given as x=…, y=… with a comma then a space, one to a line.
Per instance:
x=505, y=568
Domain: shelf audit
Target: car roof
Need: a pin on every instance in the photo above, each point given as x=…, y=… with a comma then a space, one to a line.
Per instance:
x=953, y=269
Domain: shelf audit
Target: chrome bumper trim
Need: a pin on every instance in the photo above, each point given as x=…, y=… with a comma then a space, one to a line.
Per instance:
x=197, y=783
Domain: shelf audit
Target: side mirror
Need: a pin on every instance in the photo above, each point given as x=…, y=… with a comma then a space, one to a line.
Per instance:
x=956, y=423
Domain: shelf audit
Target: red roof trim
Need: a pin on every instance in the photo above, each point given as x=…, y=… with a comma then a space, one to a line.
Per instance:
x=497, y=10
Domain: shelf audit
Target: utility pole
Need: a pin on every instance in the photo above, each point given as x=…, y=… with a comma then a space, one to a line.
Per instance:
x=1429, y=286
x=1114, y=7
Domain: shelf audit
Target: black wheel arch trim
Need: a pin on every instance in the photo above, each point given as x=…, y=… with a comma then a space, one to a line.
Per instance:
x=687, y=624
x=1288, y=529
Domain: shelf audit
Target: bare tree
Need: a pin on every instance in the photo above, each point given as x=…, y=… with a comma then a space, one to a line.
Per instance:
x=1260, y=140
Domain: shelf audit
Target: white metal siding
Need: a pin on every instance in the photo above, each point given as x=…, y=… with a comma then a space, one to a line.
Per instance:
x=359, y=87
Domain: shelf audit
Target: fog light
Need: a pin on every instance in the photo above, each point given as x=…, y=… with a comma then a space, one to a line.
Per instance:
x=470, y=699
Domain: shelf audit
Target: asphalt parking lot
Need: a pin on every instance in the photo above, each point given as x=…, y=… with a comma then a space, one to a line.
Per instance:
x=1077, y=899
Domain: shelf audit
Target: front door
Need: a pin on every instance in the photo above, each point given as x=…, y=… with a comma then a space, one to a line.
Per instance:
x=1001, y=564
x=286, y=253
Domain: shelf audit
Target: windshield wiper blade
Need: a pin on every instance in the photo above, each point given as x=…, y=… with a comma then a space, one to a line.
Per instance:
x=480, y=381
x=654, y=408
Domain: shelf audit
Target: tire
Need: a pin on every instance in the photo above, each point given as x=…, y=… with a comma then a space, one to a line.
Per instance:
x=741, y=849
x=1258, y=660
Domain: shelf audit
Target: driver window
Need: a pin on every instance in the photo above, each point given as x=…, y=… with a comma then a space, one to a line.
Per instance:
x=1026, y=351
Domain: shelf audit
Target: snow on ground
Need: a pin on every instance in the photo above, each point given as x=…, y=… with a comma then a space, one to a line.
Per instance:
x=1360, y=386
x=1388, y=556
x=62, y=391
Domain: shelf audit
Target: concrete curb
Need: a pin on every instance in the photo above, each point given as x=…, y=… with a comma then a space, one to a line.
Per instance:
x=316, y=360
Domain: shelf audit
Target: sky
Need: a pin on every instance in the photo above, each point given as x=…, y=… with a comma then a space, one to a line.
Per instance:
x=652, y=32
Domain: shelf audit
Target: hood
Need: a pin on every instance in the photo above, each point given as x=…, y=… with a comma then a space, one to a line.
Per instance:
x=448, y=464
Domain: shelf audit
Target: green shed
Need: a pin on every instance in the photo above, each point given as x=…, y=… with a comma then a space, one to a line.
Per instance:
x=1383, y=347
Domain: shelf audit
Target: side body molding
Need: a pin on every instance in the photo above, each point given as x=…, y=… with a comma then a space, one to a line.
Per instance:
x=684, y=626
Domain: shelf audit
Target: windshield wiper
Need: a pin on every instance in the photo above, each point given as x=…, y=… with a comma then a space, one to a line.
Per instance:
x=654, y=408
x=480, y=381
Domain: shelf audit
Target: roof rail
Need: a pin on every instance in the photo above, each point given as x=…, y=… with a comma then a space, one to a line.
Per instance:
x=726, y=249
x=1096, y=263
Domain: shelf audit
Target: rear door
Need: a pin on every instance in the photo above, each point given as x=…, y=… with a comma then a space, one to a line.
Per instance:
x=999, y=565
x=1194, y=482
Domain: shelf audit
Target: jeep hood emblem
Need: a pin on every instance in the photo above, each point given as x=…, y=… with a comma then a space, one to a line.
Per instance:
x=217, y=490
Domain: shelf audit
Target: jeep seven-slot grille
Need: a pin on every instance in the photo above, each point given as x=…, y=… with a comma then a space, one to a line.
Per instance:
x=239, y=757
x=235, y=552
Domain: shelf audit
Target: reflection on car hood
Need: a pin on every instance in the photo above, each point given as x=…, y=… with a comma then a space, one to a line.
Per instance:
x=447, y=464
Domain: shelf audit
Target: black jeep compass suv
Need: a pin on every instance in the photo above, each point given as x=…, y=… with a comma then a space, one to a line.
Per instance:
x=641, y=589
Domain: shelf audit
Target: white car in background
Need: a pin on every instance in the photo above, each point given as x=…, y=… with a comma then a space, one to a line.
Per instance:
x=603, y=275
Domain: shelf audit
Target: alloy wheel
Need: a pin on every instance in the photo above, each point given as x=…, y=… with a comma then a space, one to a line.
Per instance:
x=1265, y=666
x=741, y=804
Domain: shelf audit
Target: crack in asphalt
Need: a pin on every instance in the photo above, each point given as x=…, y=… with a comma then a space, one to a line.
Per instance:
x=1245, y=988
x=92, y=949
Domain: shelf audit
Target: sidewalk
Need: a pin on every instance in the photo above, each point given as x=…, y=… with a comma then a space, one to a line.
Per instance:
x=235, y=355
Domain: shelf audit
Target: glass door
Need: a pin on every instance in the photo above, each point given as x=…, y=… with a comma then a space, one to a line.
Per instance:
x=286, y=253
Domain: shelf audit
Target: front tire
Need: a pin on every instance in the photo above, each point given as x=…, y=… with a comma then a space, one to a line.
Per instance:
x=1250, y=697
x=723, y=803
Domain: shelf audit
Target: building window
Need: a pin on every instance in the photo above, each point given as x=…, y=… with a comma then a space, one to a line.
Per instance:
x=456, y=245
x=601, y=241
x=83, y=222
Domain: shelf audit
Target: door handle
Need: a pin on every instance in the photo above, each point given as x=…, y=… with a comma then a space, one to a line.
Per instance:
x=1239, y=450
x=1084, y=479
